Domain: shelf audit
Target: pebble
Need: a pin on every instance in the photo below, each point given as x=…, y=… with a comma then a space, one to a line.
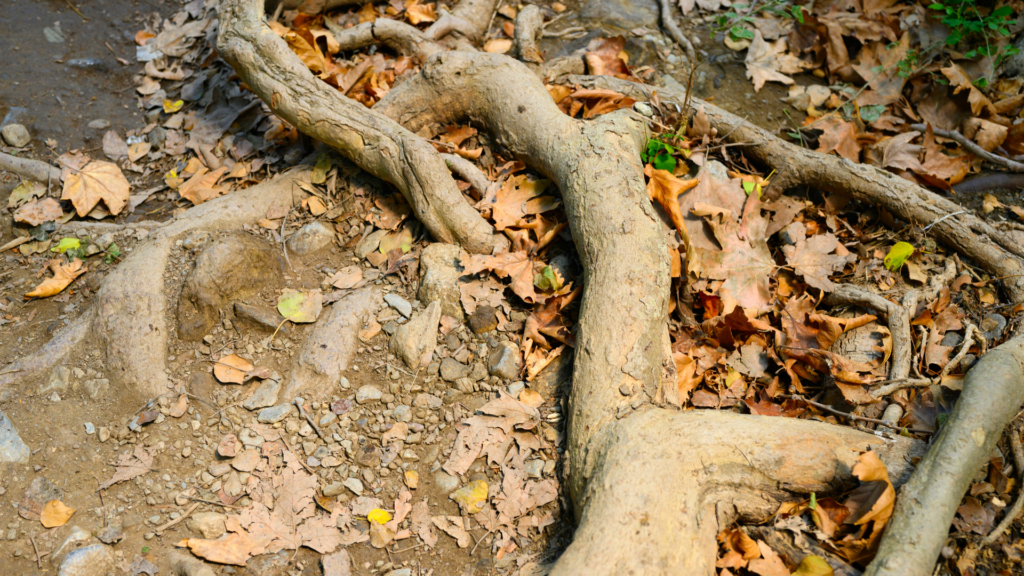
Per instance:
x=398, y=303
x=264, y=396
x=99, y=124
x=95, y=560
x=504, y=362
x=310, y=238
x=275, y=414
x=12, y=448
x=445, y=482
x=369, y=244
x=452, y=370
x=484, y=319
x=402, y=413
x=333, y=489
x=16, y=135
x=354, y=485
x=104, y=433
x=246, y=461
x=368, y=393
x=327, y=419
x=90, y=429
x=993, y=326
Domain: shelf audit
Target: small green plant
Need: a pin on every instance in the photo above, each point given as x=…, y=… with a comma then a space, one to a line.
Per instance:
x=660, y=155
x=907, y=65
x=111, y=253
x=733, y=20
x=966, y=22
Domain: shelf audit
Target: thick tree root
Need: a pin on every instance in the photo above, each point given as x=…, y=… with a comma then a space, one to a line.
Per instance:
x=130, y=317
x=397, y=35
x=32, y=169
x=372, y=141
x=664, y=483
x=996, y=251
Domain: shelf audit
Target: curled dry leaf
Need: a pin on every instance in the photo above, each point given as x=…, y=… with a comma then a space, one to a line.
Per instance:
x=498, y=45
x=202, y=186
x=452, y=525
x=36, y=212
x=55, y=514
x=517, y=198
x=231, y=369
x=301, y=307
x=840, y=137
x=664, y=188
x=63, y=276
x=94, y=182
x=25, y=192
x=130, y=466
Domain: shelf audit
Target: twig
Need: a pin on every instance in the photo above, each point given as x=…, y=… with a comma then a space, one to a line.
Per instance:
x=304, y=414
x=968, y=342
x=670, y=26
x=284, y=246
x=892, y=386
x=421, y=544
x=39, y=562
x=832, y=410
x=1018, y=504
x=944, y=217
x=233, y=507
x=972, y=147
x=479, y=541
x=76, y=10
x=177, y=520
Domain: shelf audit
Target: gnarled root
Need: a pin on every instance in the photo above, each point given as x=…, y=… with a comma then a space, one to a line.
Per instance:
x=32, y=169
x=372, y=141
x=662, y=484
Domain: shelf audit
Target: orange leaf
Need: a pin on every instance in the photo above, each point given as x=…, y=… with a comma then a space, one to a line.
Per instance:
x=63, y=275
x=55, y=514
x=665, y=188
x=232, y=369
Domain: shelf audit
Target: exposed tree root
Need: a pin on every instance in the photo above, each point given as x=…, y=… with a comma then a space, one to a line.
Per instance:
x=529, y=25
x=49, y=355
x=668, y=22
x=467, y=171
x=1018, y=504
x=33, y=169
x=372, y=141
x=397, y=35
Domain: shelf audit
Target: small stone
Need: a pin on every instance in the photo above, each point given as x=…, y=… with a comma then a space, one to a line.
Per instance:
x=400, y=572
x=262, y=317
x=99, y=124
x=515, y=388
x=424, y=400
x=275, y=414
x=992, y=327
x=246, y=461
x=354, y=485
x=402, y=413
x=104, y=434
x=228, y=447
x=369, y=244
x=452, y=370
x=90, y=429
x=368, y=393
x=16, y=135
x=95, y=560
x=186, y=451
x=439, y=278
x=327, y=419
x=414, y=341
x=398, y=303
x=209, y=525
x=111, y=533
x=264, y=396
x=310, y=238
x=445, y=482
x=534, y=468
x=478, y=372
x=333, y=489
x=218, y=469
x=484, y=319
x=12, y=448
x=504, y=362
x=233, y=485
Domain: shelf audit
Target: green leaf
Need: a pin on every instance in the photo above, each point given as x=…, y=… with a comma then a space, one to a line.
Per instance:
x=897, y=255
x=740, y=33
x=664, y=162
x=871, y=113
x=1002, y=12
x=66, y=244
x=547, y=280
x=814, y=501
x=323, y=165
x=145, y=549
x=798, y=13
x=300, y=307
x=113, y=253
x=748, y=187
x=936, y=6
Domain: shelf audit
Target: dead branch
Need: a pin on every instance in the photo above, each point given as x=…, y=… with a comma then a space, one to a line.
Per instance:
x=972, y=147
x=447, y=23
x=375, y=143
x=401, y=37
x=894, y=314
x=34, y=169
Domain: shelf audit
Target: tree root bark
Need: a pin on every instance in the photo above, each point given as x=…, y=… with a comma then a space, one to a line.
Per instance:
x=372, y=141
x=33, y=169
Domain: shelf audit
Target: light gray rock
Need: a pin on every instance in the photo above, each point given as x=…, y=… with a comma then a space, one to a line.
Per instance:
x=370, y=243
x=504, y=362
x=452, y=370
x=439, y=278
x=310, y=238
x=275, y=414
x=400, y=572
x=12, y=448
x=60, y=376
x=354, y=485
x=16, y=135
x=209, y=525
x=95, y=387
x=446, y=482
x=78, y=538
x=415, y=340
x=368, y=393
x=402, y=413
x=620, y=14
x=478, y=372
x=398, y=303
x=717, y=169
x=264, y=396
x=424, y=400
x=99, y=124
x=94, y=560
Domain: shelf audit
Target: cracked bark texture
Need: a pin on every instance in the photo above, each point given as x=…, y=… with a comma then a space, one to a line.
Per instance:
x=372, y=141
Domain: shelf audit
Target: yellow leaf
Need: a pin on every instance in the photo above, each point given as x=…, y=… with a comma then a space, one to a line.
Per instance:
x=138, y=150
x=412, y=479
x=63, y=275
x=472, y=496
x=417, y=13
x=813, y=566
x=94, y=182
x=231, y=369
x=498, y=45
x=55, y=514
x=172, y=107
x=379, y=516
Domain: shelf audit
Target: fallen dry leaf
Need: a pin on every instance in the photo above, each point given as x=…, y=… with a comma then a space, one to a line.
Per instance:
x=519, y=267
x=518, y=197
x=815, y=258
x=664, y=188
x=202, y=186
x=63, y=276
x=744, y=261
x=606, y=57
x=498, y=45
x=770, y=61
x=988, y=135
x=452, y=525
x=96, y=181
x=55, y=514
x=36, y=212
x=961, y=80
x=418, y=13
x=840, y=137
x=114, y=147
x=231, y=369
x=130, y=466
x=770, y=564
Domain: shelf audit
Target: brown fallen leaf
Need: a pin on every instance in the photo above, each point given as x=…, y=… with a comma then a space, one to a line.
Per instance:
x=202, y=186
x=840, y=137
x=877, y=63
x=138, y=150
x=130, y=466
x=36, y=212
x=519, y=267
x=769, y=564
x=63, y=275
x=180, y=407
x=96, y=181
x=815, y=258
x=114, y=147
x=518, y=197
x=961, y=80
x=346, y=278
x=417, y=13
x=664, y=188
x=988, y=135
x=231, y=369
x=900, y=153
x=55, y=514
x=771, y=61
x=744, y=261
x=606, y=57
x=452, y=525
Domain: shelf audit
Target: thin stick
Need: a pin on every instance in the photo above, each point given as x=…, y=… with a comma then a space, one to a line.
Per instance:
x=76, y=10
x=177, y=520
x=211, y=502
x=972, y=147
x=304, y=414
x=479, y=541
x=39, y=563
x=828, y=408
x=1018, y=504
x=670, y=26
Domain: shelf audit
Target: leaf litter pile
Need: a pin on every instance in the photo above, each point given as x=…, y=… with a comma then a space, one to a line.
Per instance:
x=751, y=330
